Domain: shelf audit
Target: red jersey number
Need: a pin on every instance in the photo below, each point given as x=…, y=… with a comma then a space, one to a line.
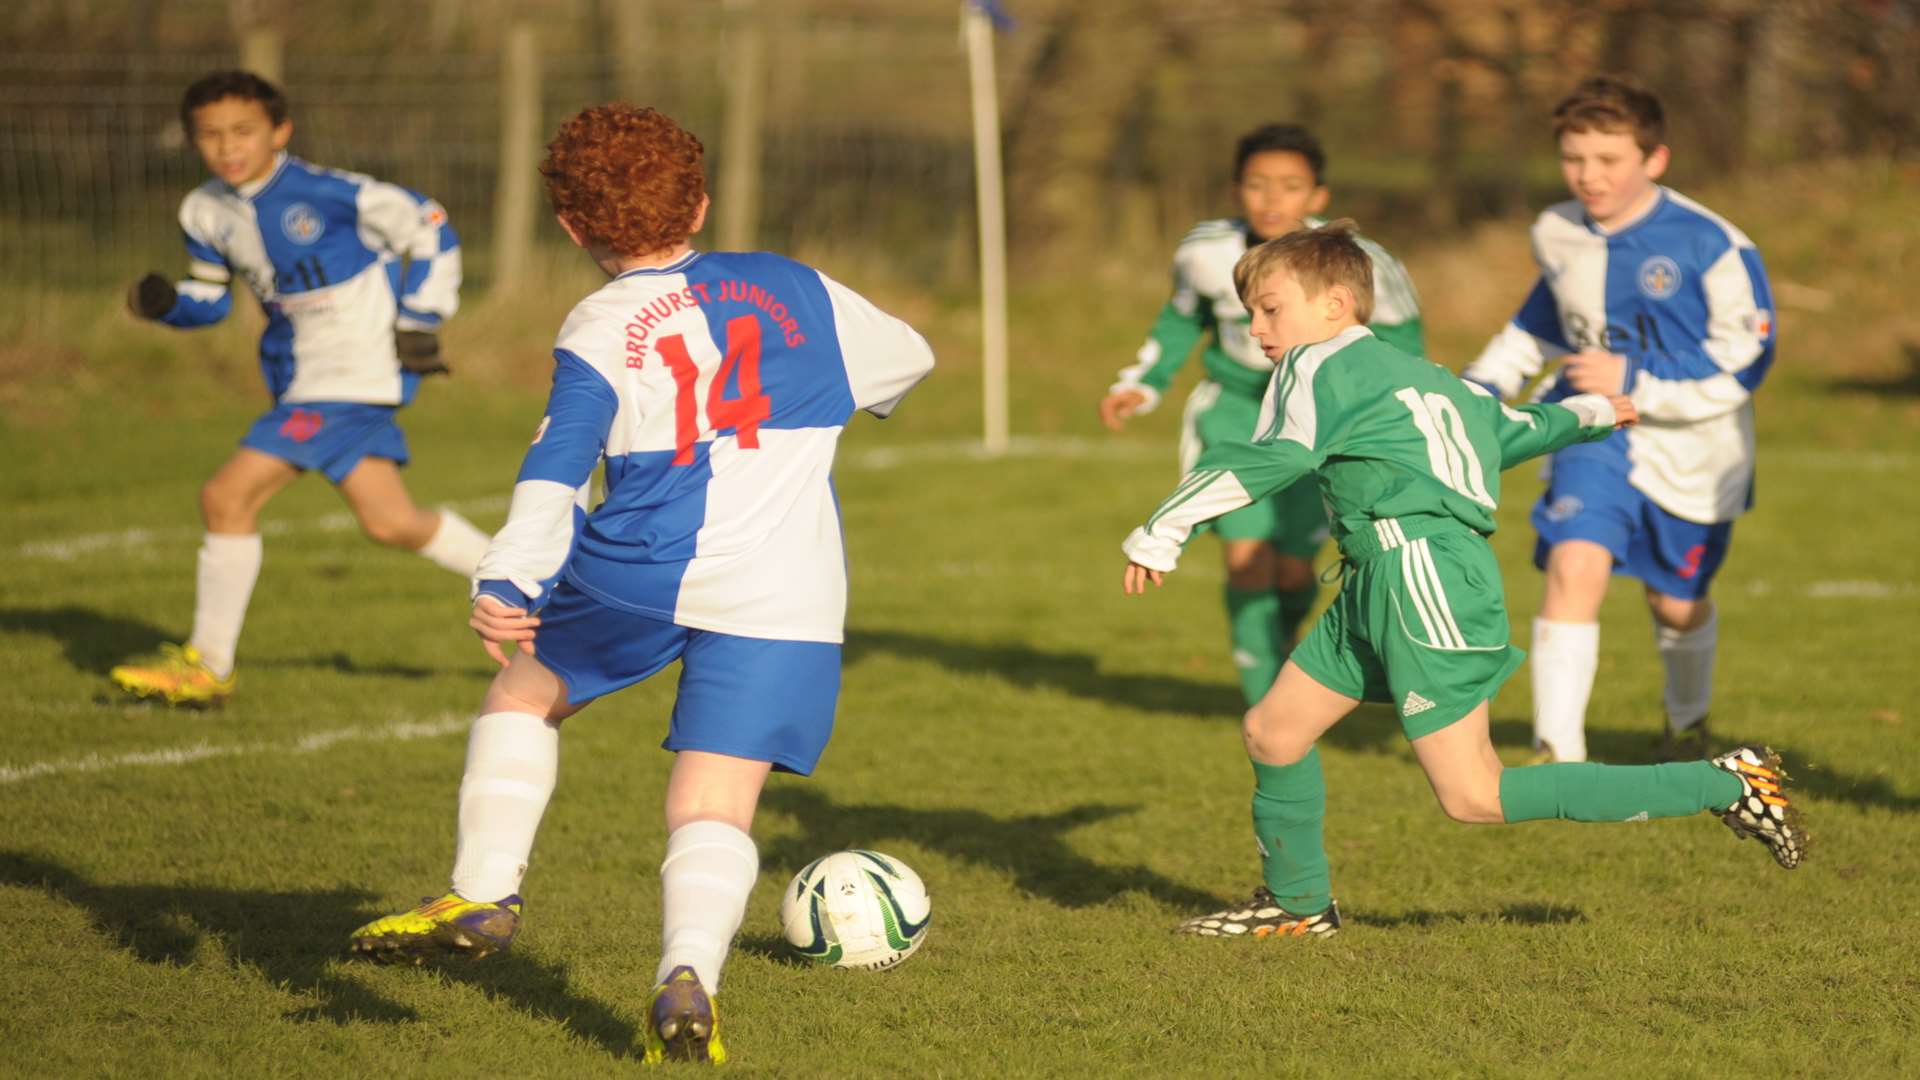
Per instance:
x=743, y=414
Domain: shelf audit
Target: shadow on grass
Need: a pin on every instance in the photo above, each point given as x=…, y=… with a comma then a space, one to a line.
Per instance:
x=1076, y=673
x=295, y=940
x=93, y=641
x=346, y=665
x=1523, y=914
x=1032, y=847
x=1907, y=385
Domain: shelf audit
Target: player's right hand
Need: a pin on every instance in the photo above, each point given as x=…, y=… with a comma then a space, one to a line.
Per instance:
x=1117, y=406
x=497, y=624
x=1624, y=414
x=151, y=297
x=1136, y=578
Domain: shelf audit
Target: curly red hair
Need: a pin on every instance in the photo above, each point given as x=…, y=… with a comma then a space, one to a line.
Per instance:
x=626, y=178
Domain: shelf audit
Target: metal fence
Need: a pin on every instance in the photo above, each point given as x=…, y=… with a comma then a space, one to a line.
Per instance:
x=93, y=161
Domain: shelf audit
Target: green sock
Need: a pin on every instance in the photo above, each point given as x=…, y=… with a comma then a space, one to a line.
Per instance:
x=1295, y=606
x=1289, y=805
x=1253, y=618
x=1584, y=791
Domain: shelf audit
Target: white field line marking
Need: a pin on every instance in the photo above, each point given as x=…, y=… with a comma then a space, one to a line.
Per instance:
x=1840, y=590
x=70, y=548
x=879, y=458
x=400, y=731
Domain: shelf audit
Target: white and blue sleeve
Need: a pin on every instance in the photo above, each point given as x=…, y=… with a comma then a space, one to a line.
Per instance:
x=531, y=550
x=885, y=358
x=1716, y=374
x=413, y=227
x=206, y=296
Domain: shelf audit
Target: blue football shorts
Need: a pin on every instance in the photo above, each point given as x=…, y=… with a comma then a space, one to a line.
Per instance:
x=1588, y=498
x=756, y=698
x=328, y=436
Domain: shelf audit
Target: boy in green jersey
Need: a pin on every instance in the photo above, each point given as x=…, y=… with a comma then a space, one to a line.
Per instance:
x=1408, y=459
x=1279, y=182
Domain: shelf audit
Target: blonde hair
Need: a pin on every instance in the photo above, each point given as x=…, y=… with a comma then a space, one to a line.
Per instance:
x=1318, y=259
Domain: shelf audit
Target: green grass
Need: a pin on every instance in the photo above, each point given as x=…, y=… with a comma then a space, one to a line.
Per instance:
x=1060, y=764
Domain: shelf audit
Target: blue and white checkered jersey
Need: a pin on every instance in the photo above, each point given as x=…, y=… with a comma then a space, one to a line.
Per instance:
x=1681, y=293
x=339, y=262
x=715, y=390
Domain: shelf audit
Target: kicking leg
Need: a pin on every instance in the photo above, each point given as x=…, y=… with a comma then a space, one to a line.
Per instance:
x=1289, y=808
x=387, y=514
x=1745, y=787
x=1566, y=647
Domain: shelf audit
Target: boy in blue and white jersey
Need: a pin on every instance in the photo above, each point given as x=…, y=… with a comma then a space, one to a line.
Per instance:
x=355, y=276
x=1644, y=292
x=714, y=387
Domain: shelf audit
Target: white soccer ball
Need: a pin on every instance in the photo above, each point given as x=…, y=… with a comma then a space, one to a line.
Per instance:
x=856, y=909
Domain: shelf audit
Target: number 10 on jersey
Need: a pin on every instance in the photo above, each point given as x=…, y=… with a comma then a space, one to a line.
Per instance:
x=743, y=414
x=1449, y=452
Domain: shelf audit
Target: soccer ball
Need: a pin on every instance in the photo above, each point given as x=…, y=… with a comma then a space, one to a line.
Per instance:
x=856, y=909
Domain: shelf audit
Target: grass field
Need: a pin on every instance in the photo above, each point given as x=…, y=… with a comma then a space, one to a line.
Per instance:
x=1060, y=764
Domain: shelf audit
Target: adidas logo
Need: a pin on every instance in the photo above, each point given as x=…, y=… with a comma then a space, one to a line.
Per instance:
x=1414, y=705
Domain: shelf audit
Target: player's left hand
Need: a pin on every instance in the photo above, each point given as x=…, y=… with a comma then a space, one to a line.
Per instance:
x=1136, y=578
x=1591, y=371
x=497, y=624
x=419, y=351
x=1624, y=414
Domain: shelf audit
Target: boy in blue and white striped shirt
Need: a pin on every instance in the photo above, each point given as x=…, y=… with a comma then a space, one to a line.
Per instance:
x=1644, y=292
x=355, y=276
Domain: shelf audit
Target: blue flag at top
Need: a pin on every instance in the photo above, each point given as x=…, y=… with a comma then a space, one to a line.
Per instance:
x=995, y=13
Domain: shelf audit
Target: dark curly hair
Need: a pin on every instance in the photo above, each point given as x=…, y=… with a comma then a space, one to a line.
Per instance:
x=626, y=178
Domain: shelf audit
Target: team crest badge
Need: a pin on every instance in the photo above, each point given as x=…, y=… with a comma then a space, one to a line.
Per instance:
x=302, y=224
x=1659, y=277
x=1565, y=508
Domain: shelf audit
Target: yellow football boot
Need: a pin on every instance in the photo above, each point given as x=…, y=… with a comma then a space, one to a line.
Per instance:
x=448, y=924
x=682, y=1022
x=180, y=676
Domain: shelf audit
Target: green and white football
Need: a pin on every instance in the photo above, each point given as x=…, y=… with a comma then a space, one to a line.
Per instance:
x=856, y=909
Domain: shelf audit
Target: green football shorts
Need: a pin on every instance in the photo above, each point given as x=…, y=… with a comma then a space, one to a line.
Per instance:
x=1419, y=624
x=1294, y=519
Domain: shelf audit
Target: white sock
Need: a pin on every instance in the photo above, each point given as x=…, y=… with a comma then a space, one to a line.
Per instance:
x=1565, y=656
x=1688, y=655
x=456, y=544
x=512, y=760
x=704, y=882
x=229, y=565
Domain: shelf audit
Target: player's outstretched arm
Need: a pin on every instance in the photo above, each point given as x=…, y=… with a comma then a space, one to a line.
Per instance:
x=1179, y=327
x=1527, y=431
x=1227, y=477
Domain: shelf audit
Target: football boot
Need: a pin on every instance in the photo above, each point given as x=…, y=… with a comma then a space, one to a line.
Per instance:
x=682, y=1022
x=1763, y=810
x=1262, y=916
x=180, y=676
x=450, y=924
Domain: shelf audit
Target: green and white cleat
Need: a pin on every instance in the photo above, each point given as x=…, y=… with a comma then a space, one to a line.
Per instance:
x=1763, y=810
x=682, y=1022
x=1262, y=916
x=448, y=925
